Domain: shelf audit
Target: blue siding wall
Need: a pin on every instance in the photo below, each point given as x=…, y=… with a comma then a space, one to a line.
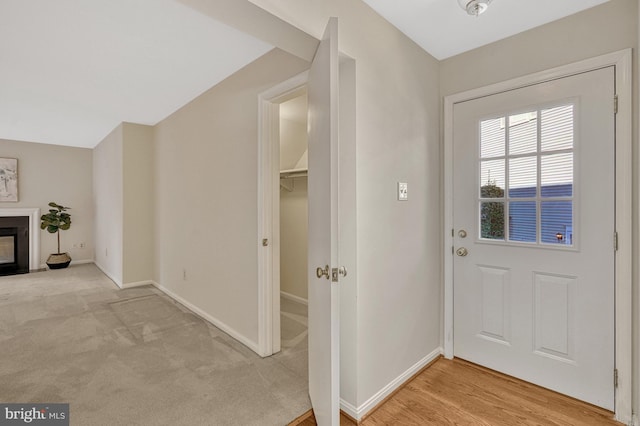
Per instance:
x=556, y=216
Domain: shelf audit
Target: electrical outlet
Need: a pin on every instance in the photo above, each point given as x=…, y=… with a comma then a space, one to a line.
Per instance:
x=81, y=245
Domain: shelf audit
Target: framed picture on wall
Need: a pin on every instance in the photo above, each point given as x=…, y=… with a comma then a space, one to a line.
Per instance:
x=8, y=179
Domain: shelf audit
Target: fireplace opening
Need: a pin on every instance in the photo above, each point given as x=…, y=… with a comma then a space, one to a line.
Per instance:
x=14, y=245
x=8, y=249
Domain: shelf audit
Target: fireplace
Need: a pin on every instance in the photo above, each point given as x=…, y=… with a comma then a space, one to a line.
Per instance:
x=32, y=245
x=14, y=245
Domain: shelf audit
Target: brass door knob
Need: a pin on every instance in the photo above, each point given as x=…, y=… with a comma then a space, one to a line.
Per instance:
x=320, y=272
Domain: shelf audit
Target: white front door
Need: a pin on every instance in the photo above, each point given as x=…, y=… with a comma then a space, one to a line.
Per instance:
x=324, y=330
x=534, y=198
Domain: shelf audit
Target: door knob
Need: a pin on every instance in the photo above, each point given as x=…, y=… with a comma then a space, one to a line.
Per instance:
x=462, y=233
x=462, y=252
x=320, y=272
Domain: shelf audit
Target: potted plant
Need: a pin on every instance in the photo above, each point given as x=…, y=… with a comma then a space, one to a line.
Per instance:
x=56, y=220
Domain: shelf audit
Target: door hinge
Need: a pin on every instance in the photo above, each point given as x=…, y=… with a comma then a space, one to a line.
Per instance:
x=615, y=104
x=615, y=377
x=615, y=241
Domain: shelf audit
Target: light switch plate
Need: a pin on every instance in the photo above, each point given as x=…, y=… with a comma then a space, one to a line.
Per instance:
x=403, y=192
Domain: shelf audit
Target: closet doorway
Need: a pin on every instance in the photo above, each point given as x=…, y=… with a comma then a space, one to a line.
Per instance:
x=293, y=231
x=282, y=177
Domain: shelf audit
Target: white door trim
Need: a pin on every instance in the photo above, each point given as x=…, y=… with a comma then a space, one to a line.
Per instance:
x=269, y=210
x=624, y=186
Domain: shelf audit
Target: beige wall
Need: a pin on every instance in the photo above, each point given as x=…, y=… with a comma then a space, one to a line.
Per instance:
x=206, y=196
x=138, y=213
x=399, y=250
x=606, y=28
x=294, y=238
x=293, y=133
x=108, y=204
x=293, y=204
x=123, y=200
x=62, y=175
x=293, y=143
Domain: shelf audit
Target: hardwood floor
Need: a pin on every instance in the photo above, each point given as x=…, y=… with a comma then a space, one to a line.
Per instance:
x=460, y=393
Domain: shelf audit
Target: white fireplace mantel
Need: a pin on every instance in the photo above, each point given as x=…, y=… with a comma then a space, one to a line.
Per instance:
x=34, y=231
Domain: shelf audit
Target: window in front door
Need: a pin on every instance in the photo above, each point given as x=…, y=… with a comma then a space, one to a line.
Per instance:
x=526, y=177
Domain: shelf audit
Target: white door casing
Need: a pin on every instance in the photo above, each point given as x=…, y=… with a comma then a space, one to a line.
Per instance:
x=269, y=210
x=553, y=272
x=324, y=331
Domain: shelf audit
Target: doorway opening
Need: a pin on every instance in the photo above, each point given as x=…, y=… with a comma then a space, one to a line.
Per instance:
x=283, y=112
x=293, y=231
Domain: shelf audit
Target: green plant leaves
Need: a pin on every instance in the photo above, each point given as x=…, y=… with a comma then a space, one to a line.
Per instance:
x=57, y=219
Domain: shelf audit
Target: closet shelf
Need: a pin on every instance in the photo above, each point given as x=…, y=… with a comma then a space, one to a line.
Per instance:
x=293, y=173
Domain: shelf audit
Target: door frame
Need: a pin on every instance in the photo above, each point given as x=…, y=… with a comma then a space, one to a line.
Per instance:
x=622, y=61
x=269, y=209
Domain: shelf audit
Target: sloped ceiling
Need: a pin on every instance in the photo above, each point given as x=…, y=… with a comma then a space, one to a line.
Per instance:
x=72, y=70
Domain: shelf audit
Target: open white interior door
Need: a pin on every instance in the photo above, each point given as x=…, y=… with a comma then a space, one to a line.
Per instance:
x=324, y=330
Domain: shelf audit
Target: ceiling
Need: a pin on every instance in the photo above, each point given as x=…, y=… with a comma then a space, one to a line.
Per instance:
x=443, y=29
x=72, y=70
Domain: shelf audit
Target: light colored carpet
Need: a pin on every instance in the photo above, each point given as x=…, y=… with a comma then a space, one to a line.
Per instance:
x=136, y=357
x=293, y=338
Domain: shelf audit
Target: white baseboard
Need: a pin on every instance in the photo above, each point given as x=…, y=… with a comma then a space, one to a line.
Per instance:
x=294, y=297
x=115, y=280
x=376, y=399
x=112, y=278
x=81, y=262
x=138, y=284
x=348, y=408
x=222, y=326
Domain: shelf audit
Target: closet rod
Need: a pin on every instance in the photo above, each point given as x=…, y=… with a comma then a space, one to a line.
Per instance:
x=286, y=174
